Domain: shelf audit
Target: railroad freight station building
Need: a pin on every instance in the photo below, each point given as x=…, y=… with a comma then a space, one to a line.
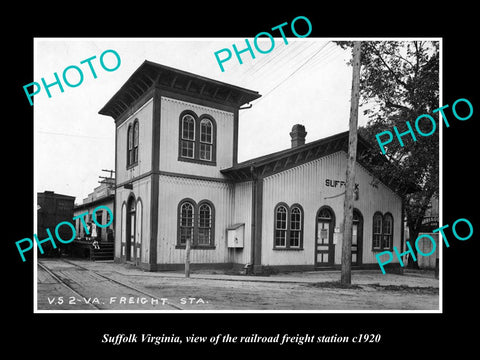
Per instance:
x=177, y=177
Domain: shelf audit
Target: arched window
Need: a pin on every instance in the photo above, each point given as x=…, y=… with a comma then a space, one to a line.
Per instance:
x=288, y=227
x=377, y=231
x=135, y=141
x=295, y=227
x=206, y=139
x=132, y=143
x=187, y=145
x=197, y=138
x=387, y=231
x=382, y=231
x=205, y=221
x=197, y=223
x=186, y=222
x=281, y=226
x=325, y=214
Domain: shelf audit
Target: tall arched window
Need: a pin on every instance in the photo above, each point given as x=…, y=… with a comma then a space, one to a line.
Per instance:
x=197, y=223
x=281, y=226
x=135, y=141
x=204, y=224
x=187, y=144
x=186, y=222
x=295, y=227
x=206, y=139
x=382, y=231
x=132, y=143
x=377, y=231
x=387, y=231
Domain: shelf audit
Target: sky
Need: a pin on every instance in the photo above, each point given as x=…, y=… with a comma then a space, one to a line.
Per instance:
x=306, y=81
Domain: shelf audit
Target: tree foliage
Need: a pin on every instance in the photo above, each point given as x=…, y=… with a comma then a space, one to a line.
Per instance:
x=400, y=81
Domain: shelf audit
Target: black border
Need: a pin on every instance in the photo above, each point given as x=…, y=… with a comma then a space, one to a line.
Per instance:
x=55, y=335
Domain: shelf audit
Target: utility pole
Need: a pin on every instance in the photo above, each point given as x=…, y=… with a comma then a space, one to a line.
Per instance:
x=110, y=171
x=187, y=257
x=346, y=276
x=109, y=180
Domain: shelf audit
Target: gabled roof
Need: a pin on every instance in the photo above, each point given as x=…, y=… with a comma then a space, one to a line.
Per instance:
x=151, y=74
x=273, y=163
x=281, y=160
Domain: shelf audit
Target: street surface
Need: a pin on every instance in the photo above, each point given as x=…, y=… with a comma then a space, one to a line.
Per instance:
x=74, y=284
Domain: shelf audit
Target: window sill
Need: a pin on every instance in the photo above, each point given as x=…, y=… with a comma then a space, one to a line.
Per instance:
x=379, y=250
x=287, y=249
x=198, y=161
x=131, y=166
x=196, y=247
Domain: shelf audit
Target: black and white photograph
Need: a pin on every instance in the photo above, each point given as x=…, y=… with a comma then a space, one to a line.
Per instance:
x=197, y=189
x=241, y=182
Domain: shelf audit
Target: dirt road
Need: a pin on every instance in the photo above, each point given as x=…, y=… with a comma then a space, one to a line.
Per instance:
x=84, y=285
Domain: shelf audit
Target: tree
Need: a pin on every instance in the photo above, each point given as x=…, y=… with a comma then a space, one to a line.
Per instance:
x=398, y=83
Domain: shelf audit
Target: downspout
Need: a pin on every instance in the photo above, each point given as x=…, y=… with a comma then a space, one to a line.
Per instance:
x=254, y=216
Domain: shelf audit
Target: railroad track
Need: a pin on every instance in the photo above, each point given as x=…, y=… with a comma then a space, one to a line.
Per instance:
x=118, y=286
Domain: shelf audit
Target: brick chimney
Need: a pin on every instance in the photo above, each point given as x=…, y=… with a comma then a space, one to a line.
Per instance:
x=298, y=134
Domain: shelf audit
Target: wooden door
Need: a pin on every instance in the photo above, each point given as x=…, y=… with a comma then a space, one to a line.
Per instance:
x=130, y=230
x=131, y=250
x=324, y=247
x=357, y=238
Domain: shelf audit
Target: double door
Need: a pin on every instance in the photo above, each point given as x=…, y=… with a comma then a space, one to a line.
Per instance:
x=324, y=243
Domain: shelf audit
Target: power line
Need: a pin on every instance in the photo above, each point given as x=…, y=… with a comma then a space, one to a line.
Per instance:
x=293, y=73
x=326, y=56
x=277, y=55
x=284, y=63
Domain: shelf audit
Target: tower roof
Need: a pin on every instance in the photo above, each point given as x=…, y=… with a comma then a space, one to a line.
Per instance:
x=151, y=74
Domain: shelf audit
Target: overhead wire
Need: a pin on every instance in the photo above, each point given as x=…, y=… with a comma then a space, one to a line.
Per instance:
x=265, y=60
x=279, y=56
x=292, y=73
x=284, y=64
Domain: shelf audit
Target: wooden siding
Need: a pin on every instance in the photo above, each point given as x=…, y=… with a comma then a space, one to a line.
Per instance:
x=144, y=116
x=169, y=138
x=242, y=200
x=174, y=189
x=305, y=185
